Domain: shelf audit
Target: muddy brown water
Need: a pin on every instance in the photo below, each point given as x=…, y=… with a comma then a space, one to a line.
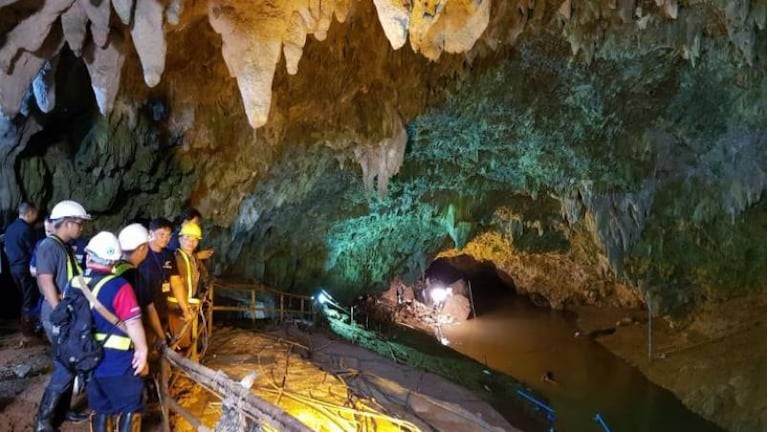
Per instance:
x=516, y=338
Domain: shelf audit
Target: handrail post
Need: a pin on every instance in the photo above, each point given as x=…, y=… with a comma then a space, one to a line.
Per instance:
x=209, y=312
x=253, y=307
x=649, y=327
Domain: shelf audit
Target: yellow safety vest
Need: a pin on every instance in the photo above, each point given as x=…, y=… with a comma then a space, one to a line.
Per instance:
x=110, y=340
x=190, y=295
x=121, y=268
x=73, y=267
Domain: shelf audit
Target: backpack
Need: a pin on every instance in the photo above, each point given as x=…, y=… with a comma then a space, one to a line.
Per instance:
x=74, y=344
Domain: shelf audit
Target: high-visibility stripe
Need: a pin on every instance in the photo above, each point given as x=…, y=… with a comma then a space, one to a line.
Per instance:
x=73, y=267
x=76, y=284
x=189, y=272
x=122, y=267
x=122, y=343
x=192, y=300
x=114, y=341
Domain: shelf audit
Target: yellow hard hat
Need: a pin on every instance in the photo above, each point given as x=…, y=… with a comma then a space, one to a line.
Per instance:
x=191, y=229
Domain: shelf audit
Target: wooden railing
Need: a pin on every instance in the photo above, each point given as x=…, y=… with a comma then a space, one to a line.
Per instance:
x=235, y=395
x=286, y=305
x=230, y=392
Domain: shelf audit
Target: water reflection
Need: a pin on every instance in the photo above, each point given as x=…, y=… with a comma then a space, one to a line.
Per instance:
x=586, y=380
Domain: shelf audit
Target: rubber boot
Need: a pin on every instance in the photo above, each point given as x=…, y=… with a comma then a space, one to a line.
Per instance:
x=46, y=411
x=101, y=423
x=129, y=422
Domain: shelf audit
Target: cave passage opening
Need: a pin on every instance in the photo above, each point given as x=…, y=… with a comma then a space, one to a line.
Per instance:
x=481, y=280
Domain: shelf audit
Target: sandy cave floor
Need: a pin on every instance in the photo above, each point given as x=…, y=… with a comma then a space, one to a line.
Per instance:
x=315, y=389
x=718, y=351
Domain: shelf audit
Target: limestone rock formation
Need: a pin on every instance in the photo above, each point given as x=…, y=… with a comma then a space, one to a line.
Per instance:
x=98, y=14
x=452, y=26
x=44, y=86
x=74, y=23
x=149, y=39
x=614, y=155
x=16, y=82
x=256, y=35
x=105, y=68
x=124, y=10
x=382, y=160
x=30, y=34
x=395, y=21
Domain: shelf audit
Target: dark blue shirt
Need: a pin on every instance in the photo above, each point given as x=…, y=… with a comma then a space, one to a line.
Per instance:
x=143, y=294
x=173, y=245
x=19, y=243
x=78, y=249
x=155, y=272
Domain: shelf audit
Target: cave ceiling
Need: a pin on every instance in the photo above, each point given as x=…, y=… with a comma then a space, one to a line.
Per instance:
x=583, y=143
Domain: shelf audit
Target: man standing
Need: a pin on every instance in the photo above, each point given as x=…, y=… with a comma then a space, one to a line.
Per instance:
x=159, y=272
x=115, y=389
x=19, y=244
x=190, y=215
x=134, y=242
x=56, y=266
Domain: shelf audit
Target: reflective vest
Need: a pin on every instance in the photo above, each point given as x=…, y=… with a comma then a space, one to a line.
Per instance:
x=109, y=340
x=73, y=268
x=121, y=268
x=189, y=279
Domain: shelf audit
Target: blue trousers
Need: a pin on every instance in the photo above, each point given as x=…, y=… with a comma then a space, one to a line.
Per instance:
x=115, y=395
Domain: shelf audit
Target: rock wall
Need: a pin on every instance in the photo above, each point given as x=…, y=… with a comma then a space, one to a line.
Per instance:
x=604, y=152
x=603, y=114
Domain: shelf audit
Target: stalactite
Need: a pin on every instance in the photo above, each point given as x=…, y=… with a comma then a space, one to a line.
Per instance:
x=149, y=39
x=74, y=23
x=124, y=10
x=30, y=34
x=99, y=15
x=105, y=68
x=44, y=86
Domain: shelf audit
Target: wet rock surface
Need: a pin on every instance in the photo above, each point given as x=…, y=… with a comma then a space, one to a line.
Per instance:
x=604, y=153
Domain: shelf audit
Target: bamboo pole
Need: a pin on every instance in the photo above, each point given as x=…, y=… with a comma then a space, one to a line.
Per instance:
x=252, y=405
x=189, y=417
x=209, y=312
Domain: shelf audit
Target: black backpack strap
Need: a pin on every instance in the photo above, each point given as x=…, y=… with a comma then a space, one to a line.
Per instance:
x=96, y=304
x=83, y=286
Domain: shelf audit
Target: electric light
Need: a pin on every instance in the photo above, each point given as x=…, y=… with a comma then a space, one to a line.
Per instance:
x=439, y=294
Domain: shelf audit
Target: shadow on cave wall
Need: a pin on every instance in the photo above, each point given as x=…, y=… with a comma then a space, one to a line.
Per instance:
x=488, y=284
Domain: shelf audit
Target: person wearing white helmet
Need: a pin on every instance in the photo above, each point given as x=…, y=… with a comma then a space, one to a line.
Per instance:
x=134, y=242
x=115, y=389
x=56, y=265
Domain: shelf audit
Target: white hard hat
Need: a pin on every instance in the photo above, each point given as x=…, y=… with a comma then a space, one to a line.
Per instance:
x=133, y=236
x=105, y=246
x=69, y=209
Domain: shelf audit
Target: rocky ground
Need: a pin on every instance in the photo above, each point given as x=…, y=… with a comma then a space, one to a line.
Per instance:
x=333, y=373
x=716, y=363
x=24, y=373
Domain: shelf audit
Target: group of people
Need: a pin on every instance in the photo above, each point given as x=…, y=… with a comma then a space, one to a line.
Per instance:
x=134, y=276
